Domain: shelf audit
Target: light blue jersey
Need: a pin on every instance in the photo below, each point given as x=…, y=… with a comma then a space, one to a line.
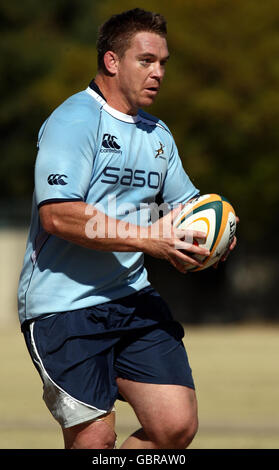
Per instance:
x=91, y=152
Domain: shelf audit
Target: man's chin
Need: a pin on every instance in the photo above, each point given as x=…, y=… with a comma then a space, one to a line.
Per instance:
x=146, y=101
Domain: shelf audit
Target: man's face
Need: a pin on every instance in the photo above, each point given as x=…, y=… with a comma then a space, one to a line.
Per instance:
x=141, y=70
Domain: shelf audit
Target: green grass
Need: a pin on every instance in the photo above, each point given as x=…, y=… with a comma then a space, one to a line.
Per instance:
x=236, y=373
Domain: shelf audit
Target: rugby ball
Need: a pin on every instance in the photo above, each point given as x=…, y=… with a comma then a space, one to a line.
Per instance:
x=213, y=215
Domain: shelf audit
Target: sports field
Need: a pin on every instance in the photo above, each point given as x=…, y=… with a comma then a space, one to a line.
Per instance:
x=236, y=370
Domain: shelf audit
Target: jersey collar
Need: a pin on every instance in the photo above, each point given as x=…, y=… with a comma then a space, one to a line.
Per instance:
x=96, y=93
x=93, y=85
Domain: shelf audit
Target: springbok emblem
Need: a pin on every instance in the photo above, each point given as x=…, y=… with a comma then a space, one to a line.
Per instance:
x=160, y=151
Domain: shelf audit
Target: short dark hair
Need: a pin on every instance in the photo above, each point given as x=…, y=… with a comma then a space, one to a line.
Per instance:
x=116, y=33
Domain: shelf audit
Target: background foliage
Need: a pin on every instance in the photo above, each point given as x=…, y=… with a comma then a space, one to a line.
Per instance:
x=220, y=97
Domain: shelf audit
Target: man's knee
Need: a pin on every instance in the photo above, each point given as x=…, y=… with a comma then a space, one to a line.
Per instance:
x=98, y=434
x=177, y=433
x=184, y=434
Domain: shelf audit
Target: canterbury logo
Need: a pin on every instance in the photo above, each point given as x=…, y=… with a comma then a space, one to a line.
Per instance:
x=69, y=402
x=109, y=142
x=57, y=179
x=160, y=150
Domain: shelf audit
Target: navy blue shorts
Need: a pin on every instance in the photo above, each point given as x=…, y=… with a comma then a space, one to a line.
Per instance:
x=135, y=337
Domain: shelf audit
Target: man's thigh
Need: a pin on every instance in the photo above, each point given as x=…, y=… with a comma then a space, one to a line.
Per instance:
x=160, y=407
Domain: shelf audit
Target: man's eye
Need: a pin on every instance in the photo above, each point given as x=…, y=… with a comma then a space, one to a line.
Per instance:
x=145, y=62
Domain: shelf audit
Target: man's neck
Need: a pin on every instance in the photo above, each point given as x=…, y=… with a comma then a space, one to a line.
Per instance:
x=112, y=94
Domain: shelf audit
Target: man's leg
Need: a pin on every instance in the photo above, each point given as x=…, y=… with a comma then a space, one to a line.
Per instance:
x=167, y=413
x=98, y=434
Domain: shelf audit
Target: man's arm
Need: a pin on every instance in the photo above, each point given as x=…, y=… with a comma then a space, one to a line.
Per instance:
x=77, y=222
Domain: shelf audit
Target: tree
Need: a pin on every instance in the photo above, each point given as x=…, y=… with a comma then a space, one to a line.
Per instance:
x=47, y=51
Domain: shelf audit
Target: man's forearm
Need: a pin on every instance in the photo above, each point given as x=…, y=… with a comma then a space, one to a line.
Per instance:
x=85, y=225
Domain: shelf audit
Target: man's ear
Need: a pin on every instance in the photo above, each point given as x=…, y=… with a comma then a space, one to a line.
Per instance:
x=111, y=62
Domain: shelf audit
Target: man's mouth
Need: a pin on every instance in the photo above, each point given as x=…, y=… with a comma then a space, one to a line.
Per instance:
x=152, y=89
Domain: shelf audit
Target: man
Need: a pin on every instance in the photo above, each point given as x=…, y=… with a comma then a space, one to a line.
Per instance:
x=95, y=328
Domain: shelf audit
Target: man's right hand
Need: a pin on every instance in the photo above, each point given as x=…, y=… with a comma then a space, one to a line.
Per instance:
x=175, y=245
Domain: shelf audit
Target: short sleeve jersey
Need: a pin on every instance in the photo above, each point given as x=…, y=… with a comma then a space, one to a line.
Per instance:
x=88, y=151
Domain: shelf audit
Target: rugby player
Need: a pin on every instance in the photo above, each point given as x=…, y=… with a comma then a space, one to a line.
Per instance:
x=95, y=328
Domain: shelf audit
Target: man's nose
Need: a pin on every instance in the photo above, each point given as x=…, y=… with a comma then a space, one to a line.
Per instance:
x=158, y=71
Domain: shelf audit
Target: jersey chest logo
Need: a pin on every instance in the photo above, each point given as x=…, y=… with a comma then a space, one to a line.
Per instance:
x=110, y=145
x=160, y=151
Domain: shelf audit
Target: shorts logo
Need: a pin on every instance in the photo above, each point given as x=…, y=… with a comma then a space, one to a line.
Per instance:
x=68, y=401
x=57, y=179
x=109, y=144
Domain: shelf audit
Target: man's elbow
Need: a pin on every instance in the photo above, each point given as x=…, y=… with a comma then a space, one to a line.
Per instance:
x=48, y=218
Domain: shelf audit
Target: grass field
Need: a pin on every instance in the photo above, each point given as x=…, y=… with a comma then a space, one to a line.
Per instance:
x=236, y=371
